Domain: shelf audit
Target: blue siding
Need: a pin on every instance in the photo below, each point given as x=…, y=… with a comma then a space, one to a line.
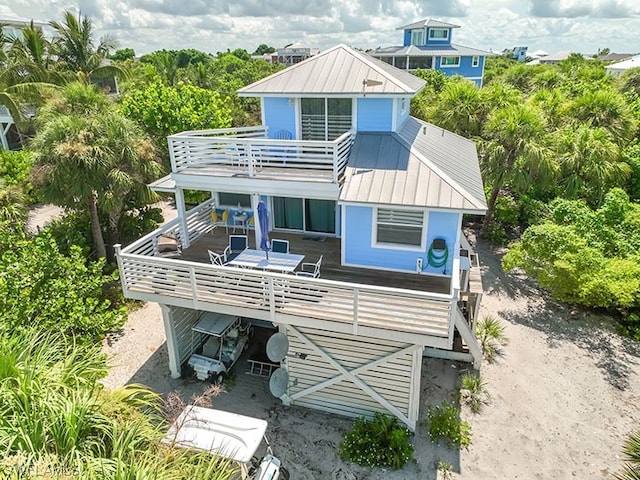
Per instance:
x=279, y=115
x=357, y=241
x=374, y=114
x=407, y=38
x=466, y=68
x=400, y=115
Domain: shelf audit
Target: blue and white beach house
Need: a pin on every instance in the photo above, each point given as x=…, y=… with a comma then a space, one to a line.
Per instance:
x=368, y=271
x=427, y=45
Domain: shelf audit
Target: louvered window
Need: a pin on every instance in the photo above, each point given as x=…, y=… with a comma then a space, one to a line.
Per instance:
x=399, y=227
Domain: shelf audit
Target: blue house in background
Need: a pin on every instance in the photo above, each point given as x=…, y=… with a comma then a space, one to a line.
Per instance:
x=369, y=199
x=427, y=45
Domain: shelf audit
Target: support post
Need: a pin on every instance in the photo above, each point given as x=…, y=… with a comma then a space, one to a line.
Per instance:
x=182, y=217
x=172, y=342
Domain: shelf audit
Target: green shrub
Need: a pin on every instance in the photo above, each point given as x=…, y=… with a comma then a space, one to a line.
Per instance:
x=44, y=289
x=630, y=325
x=15, y=168
x=380, y=442
x=473, y=392
x=585, y=256
x=445, y=424
x=507, y=210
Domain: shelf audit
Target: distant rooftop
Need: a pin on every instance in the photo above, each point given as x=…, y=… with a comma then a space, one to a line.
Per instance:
x=428, y=23
x=339, y=70
x=12, y=19
x=614, y=57
x=428, y=51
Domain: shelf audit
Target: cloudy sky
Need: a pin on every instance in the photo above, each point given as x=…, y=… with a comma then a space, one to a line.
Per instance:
x=216, y=25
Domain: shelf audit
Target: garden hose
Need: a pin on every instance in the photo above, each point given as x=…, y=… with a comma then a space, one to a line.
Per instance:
x=438, y=254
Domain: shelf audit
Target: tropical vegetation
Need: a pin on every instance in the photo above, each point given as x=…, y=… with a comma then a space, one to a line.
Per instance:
x=559, y=154
x=631, y=451
x=57, y=421
x=381, y=441
x=444, y=423
x=560, y=159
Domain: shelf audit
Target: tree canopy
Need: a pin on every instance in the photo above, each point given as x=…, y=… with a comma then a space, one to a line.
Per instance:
x=91, y=158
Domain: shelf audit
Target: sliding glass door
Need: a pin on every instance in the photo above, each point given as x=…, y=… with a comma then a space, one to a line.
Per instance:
x=307, y=215
x=287, y=213
x=325, y=118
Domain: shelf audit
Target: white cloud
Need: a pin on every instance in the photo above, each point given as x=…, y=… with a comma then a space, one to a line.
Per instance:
x=218, y=25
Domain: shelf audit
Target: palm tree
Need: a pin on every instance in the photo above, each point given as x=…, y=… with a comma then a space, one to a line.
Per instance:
x=590, y=162
x=30, y=58
x=458, y=108
x=513, y=151
x=631, y=470
x=607, y=109
x=134, y=164
x=90, y=158
x=74, y=46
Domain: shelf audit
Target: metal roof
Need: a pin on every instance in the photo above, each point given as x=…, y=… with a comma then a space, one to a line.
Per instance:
x=428, y=51
x=632, y=62
x=165, y=184
x=421, y=166
x=428, y=23
x=340, y=70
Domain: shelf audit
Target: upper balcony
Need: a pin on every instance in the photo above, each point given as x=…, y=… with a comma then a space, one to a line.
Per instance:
x=247, y=152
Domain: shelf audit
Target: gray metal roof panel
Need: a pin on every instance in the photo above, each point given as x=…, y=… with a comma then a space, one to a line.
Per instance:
x=455, y=156
x=414, y=167
x=428, y=23
x=339, y=70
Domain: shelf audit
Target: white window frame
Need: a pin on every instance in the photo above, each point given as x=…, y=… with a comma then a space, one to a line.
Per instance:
x=433, y=30
x=417, y=32
x=399, y=246
x=453, y=65
x=475, y=61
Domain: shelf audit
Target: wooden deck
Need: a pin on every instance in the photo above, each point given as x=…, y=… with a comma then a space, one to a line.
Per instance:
x=312, y=246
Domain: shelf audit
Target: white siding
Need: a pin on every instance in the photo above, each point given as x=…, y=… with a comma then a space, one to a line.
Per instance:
x=388, y=368
x=183, y=320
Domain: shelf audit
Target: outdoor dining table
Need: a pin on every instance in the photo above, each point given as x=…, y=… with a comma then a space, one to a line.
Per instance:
x=281, y=262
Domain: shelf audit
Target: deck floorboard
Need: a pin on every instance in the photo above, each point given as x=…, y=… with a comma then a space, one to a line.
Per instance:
x=312, y=247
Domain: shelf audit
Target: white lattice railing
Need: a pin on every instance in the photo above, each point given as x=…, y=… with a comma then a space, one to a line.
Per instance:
x=382, y=312
x=248, y=151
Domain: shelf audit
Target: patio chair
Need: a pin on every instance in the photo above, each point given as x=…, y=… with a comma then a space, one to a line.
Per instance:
x=283, y=135
x=167, y=245
x=237, y=243
x=220, y=220
x=216, y=258
x=251, y=224
x=311, y=270
x=280, y=246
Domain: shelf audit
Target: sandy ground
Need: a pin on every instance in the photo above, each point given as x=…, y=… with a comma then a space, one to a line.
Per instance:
x=41, y=215
x=563, y=397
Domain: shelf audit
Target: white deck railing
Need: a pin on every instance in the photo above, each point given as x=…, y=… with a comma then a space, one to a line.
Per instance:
x=406, y=315
x=248, y=151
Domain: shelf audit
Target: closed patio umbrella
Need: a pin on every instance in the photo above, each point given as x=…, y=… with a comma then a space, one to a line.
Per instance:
x=263, y=219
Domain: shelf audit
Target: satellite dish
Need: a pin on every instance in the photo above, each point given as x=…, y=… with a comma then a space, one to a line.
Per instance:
x=277, y=347
x=279, y=382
